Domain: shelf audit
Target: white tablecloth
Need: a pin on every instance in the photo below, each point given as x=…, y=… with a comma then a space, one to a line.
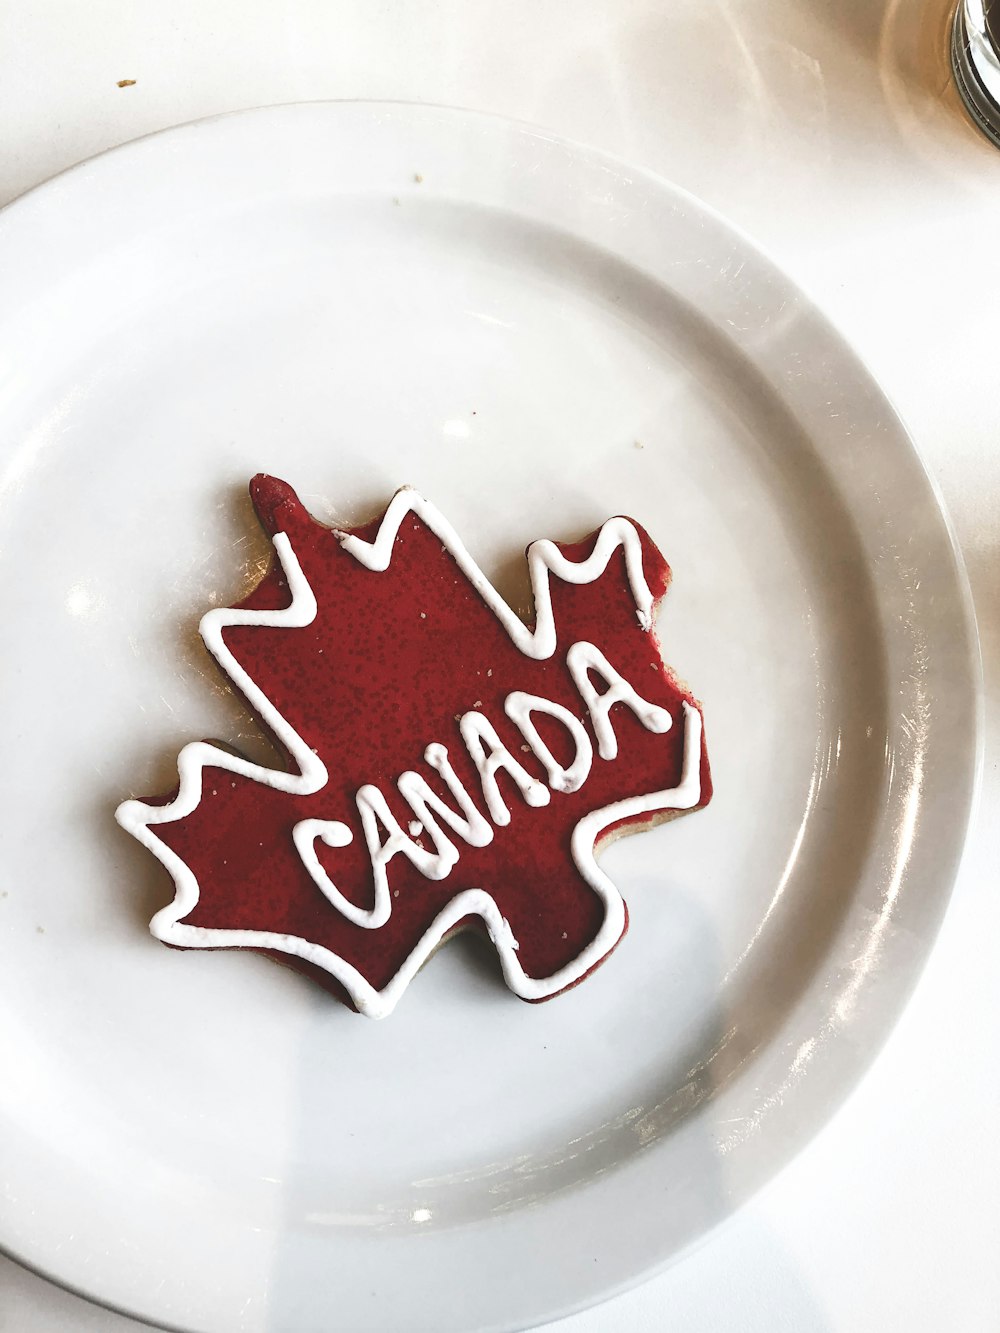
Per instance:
x=831, y=133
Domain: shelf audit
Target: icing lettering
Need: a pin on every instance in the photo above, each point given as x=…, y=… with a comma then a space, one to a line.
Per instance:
x=584, y=660
x=519, y=708
x=490, y=756
x=334, y=834
x=374, y=811
x=428, y=807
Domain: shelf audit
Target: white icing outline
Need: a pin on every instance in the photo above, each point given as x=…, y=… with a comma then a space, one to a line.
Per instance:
x=139, y=819
x=544, y=558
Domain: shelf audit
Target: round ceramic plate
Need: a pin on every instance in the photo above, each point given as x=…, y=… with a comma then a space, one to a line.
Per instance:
x=537, y=337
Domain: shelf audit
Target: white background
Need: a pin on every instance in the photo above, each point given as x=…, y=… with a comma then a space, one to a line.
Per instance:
x=831, y=134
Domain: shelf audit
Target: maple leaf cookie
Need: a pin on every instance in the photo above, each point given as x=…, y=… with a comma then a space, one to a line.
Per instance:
x=448, y=765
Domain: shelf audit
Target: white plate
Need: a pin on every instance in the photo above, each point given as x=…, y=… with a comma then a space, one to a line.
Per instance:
x=353, y=297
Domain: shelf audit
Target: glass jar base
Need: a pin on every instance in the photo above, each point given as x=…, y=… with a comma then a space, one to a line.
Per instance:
x=983, y=108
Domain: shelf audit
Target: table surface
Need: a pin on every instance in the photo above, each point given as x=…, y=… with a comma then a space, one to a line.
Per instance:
x=832, y=135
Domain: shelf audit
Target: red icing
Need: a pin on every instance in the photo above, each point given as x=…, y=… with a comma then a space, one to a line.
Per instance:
x=388, y=664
